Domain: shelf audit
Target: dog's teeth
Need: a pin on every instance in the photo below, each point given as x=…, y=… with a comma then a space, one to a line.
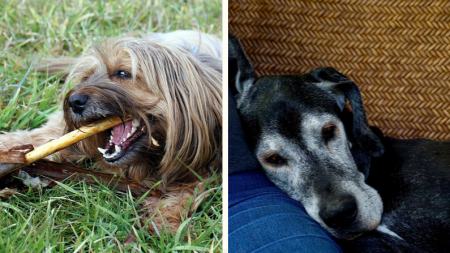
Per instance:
x=118, y=149
x=144, y=129
x=135, y=123
x=124, y=139
x=102, y=150
x=128, y=136
x=112, y=134
x=155, y=142
x=133, y=129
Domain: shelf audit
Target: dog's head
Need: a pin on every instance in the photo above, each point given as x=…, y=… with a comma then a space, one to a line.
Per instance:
x=173, y=94
x=309, y=145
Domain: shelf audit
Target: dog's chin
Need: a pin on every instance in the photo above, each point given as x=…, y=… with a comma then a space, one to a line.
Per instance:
x=351, y=234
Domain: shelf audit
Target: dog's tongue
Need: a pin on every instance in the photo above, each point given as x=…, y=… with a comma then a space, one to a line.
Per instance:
x=124, y=131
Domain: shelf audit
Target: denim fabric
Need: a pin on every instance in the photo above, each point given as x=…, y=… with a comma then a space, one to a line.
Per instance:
x=262, y=218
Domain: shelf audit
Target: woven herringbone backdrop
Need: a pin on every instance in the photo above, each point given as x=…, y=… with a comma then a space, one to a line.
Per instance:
x=398, y=52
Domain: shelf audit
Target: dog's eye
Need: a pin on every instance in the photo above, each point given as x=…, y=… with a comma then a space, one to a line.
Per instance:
x=275, y=160
x=122, y=74
x=328, y=132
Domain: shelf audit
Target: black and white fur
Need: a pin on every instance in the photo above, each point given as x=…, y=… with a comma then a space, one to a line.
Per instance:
x=372, y=193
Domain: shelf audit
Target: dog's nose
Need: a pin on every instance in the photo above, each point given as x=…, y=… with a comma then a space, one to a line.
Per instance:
x=77, y=102
x=340, y=213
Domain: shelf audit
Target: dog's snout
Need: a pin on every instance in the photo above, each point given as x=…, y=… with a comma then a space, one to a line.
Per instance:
x=77, y=102
x=340, y=213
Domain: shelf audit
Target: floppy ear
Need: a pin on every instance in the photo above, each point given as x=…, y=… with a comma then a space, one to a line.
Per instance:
x=343, y=88
x=244, y=75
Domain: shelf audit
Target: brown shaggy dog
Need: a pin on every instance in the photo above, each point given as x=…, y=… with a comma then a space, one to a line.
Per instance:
x=170, y=84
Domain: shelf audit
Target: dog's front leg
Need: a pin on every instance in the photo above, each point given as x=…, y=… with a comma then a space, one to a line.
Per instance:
x=53, y=129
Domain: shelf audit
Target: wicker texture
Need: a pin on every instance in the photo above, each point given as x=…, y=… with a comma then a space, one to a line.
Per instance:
x=398, y=52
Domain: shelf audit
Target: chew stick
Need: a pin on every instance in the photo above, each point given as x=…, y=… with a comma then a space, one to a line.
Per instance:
x=10, y=163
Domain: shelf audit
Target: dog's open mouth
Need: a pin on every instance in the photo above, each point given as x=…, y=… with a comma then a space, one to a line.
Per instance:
x=121, y=139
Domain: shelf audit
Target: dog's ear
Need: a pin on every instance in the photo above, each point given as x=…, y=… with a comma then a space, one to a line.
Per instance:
x=343, y=88
x=244, y=75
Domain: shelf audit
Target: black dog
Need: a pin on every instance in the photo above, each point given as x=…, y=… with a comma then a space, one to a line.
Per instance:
x=373, y=193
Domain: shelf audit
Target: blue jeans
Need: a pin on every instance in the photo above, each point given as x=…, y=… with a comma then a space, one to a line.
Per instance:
x=262, y=218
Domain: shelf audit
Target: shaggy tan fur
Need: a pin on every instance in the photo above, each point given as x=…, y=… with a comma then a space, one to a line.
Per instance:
x=170, y=83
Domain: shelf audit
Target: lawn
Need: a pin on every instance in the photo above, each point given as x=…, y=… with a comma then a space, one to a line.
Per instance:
x=78, y=217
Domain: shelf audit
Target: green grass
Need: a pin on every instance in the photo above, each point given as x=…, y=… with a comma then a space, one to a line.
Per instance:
x=87, y=218
x=76, y=216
